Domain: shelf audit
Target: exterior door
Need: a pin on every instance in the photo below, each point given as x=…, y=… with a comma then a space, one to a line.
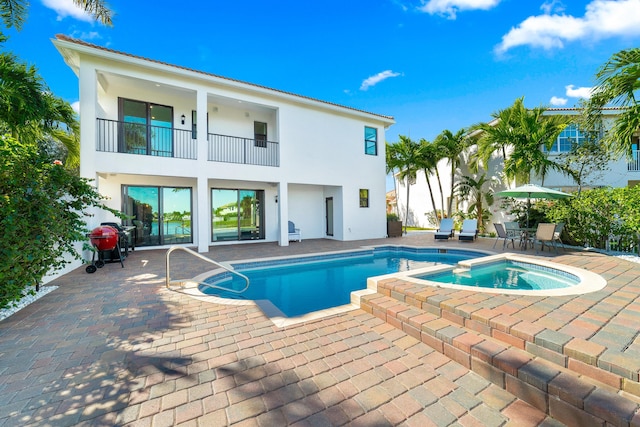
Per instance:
x=237, y=214
x=329, y=215
x=161, y=215
x=146, y=128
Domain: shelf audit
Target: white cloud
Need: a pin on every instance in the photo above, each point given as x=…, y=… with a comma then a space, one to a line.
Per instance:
x=76, y=107
x=450, y=8
x=83, y=35
x=558, y=102
x=578, y=92
x=602, y=19
x=66, y=8
x=374, y=80
x=552, y=6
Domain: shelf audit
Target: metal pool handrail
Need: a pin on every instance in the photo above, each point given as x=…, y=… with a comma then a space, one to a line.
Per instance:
x=209, y=260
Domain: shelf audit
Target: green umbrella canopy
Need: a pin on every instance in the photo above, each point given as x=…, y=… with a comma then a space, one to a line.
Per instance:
x=532, y=191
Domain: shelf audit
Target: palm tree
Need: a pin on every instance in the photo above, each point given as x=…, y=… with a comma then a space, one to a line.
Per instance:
x=428, y=163
x=14, y=12
x=391, y=168
x=618, y=83
x=472, y=189
x=451, y=146
x=407, y=160
x=30, y=112
x=528, y=134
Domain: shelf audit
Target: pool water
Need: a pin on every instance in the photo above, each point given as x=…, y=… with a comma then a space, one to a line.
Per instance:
x=505, y=275
x=306, y=287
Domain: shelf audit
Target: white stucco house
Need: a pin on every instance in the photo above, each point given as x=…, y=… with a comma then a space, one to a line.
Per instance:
x=620, y=172
x=198, y=159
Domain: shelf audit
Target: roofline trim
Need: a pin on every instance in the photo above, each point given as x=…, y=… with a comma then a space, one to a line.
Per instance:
x=65, y=42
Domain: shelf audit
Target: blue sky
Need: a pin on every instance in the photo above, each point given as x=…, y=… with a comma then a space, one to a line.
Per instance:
x=432, y=65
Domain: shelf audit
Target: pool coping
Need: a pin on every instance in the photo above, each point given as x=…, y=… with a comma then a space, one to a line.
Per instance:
x=588, y=281
x=190, y=286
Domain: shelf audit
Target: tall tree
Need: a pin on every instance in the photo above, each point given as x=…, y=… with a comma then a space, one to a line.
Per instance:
x=451, y=147
x=428, y=163
x=527, y=134
x=391, y=168
x=618, y=84
x=30, y=112
x=407, y=159
x=478, y=192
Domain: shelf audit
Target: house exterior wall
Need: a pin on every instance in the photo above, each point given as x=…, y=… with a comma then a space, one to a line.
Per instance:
x=320, y=146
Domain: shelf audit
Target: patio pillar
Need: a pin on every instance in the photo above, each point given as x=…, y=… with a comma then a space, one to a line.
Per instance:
x=283, y=214
x=202, y=195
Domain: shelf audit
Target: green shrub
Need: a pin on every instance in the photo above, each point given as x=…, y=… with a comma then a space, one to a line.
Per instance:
x=42, y=210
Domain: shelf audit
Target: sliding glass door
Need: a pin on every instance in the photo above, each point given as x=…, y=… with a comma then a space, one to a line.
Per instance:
x=146, y=128
x=237, y=214
x=161, y=215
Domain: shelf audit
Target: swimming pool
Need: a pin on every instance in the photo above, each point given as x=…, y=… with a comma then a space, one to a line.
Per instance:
x=506, y=274
x=290, y=290
x=297, y=286
x=497, y=274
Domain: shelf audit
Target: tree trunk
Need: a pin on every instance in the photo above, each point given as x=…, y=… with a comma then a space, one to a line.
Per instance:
x=433, y=201
x=406, y=218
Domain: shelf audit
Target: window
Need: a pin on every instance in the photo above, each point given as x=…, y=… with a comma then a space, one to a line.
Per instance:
x=237, y=214
x=371, y=141
x=161, y=215
x=146, y=128
x=364, y=198
x=260, y=134
x=569, y=136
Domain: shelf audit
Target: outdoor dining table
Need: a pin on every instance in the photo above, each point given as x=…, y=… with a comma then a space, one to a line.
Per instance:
x=525, y=234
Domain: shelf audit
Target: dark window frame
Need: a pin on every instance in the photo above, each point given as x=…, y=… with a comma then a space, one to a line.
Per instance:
x=371, y=144
x=260, y=139
x=364, y=197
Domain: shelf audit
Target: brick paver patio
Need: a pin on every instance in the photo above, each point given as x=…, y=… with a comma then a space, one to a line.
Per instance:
x=118, y=348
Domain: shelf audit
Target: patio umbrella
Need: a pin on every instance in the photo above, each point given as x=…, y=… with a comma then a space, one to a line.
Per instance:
x=532, y=191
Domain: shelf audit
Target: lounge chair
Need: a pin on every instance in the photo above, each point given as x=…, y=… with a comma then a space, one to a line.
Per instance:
x=469, y=230
x=446, y=229
x=294, y=233
x=558, y=232
x=544, y=234
x=506, y=238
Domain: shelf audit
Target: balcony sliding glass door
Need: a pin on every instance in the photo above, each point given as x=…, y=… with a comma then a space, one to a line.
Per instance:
x=161, y=215
x=146, y=128
x=237, y=214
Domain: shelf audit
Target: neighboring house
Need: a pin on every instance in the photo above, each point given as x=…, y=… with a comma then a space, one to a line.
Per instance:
x=620, y=172
x=199, y=159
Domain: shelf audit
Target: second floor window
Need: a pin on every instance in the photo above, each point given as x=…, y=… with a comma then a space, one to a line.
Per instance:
x=570, y=136
x=260, y=134
x=370, y=141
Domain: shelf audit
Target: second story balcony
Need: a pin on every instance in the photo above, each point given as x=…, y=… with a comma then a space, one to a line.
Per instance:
x=633, y=165
x=161, y=141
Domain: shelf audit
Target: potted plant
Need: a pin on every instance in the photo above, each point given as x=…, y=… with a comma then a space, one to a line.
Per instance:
x=394, y=225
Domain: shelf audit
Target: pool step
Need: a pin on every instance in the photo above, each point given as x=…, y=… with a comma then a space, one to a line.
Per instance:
x=494, y=320
x=571, y=398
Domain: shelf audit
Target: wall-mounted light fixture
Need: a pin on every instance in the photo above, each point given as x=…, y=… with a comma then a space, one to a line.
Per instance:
x=182, y=118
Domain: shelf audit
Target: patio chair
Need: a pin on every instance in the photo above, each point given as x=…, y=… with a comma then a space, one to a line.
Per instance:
x=446, y=229
x=506, y=238
x=544, y=234
x=294, y=233
x=558, y=232
x=469, y=230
